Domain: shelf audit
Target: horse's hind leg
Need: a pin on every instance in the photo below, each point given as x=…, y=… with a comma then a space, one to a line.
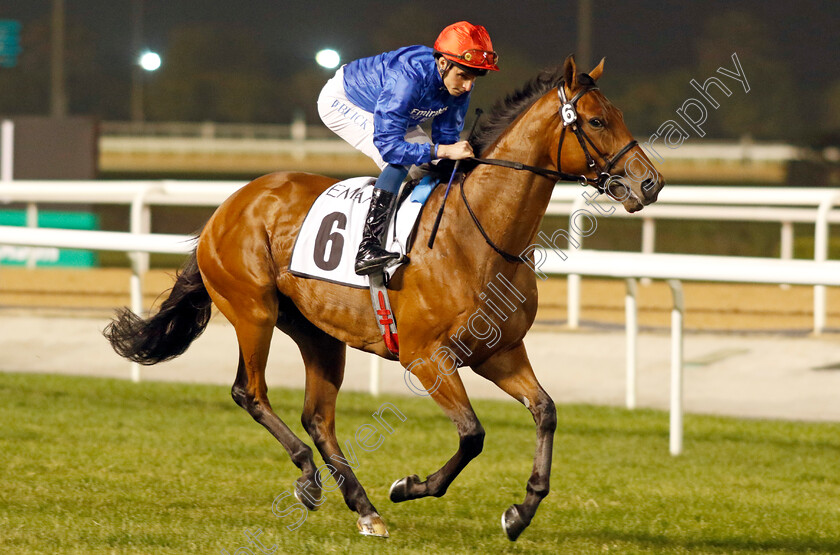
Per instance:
x=512, y=372
x=251, y=393
x=323, y=356
x=239, y=276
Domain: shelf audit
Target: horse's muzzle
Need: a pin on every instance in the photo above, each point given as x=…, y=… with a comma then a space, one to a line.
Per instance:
x=650, y=190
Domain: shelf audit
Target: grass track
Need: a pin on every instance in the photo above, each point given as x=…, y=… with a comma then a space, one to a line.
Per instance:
x=106, y=466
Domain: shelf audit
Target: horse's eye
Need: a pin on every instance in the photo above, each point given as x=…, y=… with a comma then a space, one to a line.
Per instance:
x=595, y=122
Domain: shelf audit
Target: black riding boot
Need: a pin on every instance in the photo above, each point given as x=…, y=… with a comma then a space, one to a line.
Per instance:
x=372, y=256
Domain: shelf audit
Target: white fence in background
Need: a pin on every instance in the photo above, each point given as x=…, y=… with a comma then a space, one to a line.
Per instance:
x=629, y=266
x=784, y=205
x=674, y=268
x=136, y=243
x=7, y=150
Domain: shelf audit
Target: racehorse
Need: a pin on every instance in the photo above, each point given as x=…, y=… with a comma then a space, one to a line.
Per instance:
x=241, y=263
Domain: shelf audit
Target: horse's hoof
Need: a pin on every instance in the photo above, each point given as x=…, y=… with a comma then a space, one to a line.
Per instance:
x=400, y=490
x=512, y=523
x=372, y=525
x=312, y=499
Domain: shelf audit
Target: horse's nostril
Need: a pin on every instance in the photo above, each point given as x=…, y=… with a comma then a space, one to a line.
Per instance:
x=650, y=190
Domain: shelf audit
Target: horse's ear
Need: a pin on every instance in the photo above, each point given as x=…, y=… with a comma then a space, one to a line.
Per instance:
x=598, y=70
x=570, y=71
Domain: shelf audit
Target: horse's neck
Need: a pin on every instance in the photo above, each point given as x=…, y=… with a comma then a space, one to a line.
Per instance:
x=511, y=203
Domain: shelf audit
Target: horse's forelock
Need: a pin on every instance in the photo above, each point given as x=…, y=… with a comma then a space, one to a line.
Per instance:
x=584, y=80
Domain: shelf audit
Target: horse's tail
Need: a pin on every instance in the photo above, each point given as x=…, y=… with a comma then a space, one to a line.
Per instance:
x=181, y=319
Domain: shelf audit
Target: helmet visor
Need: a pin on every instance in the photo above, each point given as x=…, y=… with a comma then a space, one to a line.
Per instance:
x=479, y=57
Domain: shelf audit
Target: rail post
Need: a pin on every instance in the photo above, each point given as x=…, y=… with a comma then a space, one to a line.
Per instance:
x=676, y=411
x=375, y=369
x=573, y=280
x=7, y=154
x=821, y=255
x=632, y=339
x=141, y=222
x=786, y=245
x=648, y=241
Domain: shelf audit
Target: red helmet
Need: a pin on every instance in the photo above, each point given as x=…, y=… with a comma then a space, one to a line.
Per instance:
x=468, y=45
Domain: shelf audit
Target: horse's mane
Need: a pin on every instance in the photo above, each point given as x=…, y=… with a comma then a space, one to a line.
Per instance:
x=509, y=108
x=505, y=111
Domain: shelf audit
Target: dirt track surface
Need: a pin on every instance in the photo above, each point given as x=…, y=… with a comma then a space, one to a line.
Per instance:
x=709, y=306
x=51, y=321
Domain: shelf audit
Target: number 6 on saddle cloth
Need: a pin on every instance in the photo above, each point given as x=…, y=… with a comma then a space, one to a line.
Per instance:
x=329, y=238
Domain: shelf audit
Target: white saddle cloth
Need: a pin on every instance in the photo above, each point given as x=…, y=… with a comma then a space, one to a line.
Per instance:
x=329, y=239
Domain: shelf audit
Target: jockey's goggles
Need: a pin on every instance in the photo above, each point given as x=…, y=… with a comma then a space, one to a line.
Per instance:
x=482, y=57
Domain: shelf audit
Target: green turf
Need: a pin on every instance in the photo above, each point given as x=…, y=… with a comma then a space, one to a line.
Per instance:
x=107, y=466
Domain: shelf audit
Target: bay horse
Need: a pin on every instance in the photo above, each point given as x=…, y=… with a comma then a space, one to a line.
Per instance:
x=241, y=263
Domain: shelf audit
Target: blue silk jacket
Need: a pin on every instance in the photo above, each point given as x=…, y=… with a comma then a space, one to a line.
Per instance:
x=402, y=89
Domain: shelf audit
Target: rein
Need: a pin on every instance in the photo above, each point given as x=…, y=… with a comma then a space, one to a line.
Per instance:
x=568, y=113
x=559, y=176
x=506, y=255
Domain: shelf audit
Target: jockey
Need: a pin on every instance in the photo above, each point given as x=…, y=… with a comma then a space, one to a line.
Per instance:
x=377, y=105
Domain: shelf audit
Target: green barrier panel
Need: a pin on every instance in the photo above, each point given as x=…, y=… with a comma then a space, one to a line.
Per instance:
x=46, y=256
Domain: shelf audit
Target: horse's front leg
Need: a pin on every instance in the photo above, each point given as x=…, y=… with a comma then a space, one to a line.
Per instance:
x=449, y=393
x=511, y=371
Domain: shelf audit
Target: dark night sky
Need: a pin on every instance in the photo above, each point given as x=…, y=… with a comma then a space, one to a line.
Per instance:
x=639, y=35
x=643, y=40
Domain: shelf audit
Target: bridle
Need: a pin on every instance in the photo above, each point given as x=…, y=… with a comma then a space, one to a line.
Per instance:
x=568, y=112
x=569, y=115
